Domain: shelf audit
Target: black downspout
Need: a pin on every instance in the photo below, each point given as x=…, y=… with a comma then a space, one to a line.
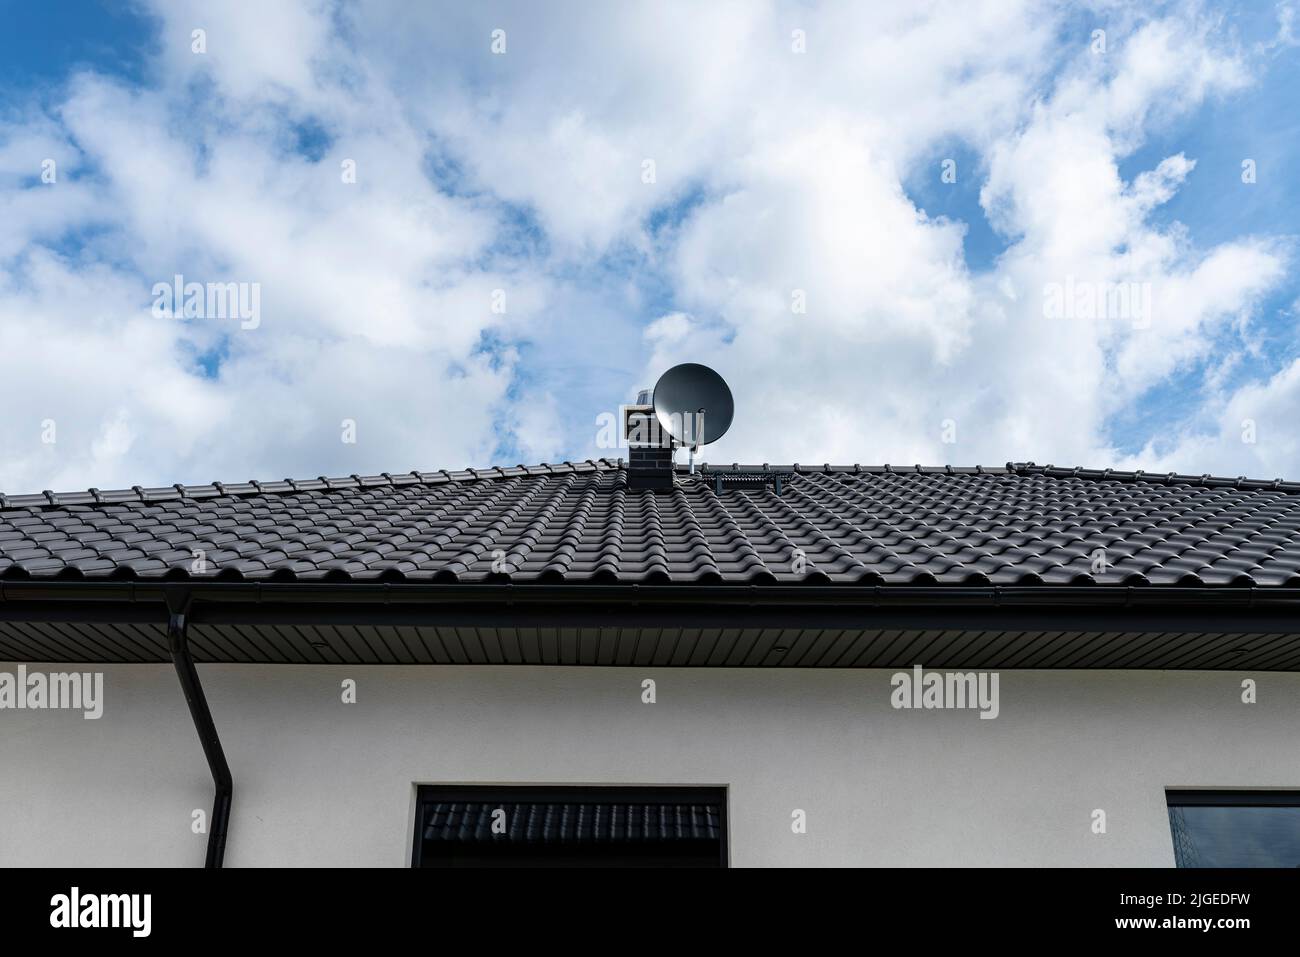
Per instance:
x=225, y=785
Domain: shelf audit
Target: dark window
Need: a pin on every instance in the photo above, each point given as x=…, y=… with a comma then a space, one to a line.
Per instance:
x=544, y=826
x=1235, y=828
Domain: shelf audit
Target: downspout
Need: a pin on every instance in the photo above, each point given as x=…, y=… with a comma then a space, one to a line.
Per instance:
x=177, y=641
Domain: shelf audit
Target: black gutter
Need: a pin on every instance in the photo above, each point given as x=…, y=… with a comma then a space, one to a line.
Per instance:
x=1045, y=607
x=766, y=594
x=177, y=640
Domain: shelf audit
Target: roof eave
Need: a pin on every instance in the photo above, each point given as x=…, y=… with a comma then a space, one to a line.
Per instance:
x=1020, y=608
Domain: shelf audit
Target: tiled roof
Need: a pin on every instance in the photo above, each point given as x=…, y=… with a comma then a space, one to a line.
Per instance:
x=1020, y=524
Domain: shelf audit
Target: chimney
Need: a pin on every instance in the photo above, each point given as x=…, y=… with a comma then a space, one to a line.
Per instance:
x=650, y=447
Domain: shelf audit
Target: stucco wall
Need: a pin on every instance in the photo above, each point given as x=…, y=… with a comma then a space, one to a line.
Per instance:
x=322, y=782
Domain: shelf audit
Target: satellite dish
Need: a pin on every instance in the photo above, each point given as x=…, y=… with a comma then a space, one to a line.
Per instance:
x=693, y=404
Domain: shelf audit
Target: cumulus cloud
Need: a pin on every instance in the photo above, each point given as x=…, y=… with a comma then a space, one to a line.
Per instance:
x=374, y=296
x=903, y=348
x=533, y=234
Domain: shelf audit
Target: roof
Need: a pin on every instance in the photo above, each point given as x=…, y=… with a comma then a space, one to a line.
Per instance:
x=835, y=566
x=579, y=523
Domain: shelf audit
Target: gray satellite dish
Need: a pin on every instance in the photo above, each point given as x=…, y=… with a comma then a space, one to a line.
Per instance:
x=693, y=405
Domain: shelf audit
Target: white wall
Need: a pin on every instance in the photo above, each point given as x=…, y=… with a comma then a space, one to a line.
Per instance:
x=321, y=782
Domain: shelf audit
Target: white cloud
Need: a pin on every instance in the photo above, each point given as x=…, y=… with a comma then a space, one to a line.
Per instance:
x=1252, y=432
x=523, y=173
x=372, y=301
x=899, y=337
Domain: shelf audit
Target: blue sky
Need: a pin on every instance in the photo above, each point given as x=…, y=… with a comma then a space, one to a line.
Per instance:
x=520, y=175
x=41, y=44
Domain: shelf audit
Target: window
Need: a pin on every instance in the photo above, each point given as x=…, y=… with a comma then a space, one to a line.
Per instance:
x=1235, y=828
x=544, y=826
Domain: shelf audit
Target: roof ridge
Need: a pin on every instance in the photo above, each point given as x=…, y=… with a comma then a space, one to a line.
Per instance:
x=1158, y=478
x=136, y=493
x=218, y=489
x=1016, y=468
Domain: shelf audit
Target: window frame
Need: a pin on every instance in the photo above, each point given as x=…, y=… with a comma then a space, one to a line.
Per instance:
x=1177, y=798
x=426, y=793
x=1198, y=797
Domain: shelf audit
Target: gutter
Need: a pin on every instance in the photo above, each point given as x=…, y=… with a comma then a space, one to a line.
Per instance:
x=764, y=594
x=1078, y=607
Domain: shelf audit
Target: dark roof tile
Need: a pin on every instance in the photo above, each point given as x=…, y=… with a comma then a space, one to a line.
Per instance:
x=579, y=522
